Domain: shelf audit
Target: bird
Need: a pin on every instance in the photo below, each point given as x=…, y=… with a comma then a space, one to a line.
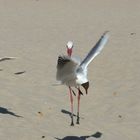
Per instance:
x=72, y=71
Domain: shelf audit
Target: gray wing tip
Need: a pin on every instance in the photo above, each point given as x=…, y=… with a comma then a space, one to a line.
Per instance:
x=106, y=34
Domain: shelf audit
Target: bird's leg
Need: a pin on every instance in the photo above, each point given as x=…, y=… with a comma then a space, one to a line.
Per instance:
x=78, y=109
x=71, y=100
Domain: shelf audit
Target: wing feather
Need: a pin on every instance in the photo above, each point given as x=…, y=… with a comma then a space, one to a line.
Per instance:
x=95, y=50
x=66, y=69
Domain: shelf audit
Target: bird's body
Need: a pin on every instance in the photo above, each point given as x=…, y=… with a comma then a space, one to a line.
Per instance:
x=69, y=71
x=73, y=72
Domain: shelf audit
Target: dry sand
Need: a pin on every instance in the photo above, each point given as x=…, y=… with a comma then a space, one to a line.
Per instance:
x=36, y=32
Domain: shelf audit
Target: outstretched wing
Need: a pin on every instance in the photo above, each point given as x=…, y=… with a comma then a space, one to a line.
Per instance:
x=66, y=68
x=95, y=50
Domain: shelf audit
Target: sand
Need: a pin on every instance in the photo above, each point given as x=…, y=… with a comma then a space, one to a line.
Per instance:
x=35, y=32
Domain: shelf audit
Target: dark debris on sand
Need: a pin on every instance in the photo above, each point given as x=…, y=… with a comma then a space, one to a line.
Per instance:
x=20, y=72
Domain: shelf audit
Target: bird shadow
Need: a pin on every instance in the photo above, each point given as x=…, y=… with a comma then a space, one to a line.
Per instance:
x=69, y=113
x=6, y=111
x=95, y=135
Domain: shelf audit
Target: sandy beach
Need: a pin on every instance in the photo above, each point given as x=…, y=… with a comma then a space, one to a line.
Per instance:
x=35, y=32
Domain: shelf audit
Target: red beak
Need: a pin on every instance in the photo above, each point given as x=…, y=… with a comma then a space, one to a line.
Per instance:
x=69, y=51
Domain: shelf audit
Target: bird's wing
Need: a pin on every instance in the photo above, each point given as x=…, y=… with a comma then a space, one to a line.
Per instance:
x=66, y=68
x=62, y=61
x=95, y=50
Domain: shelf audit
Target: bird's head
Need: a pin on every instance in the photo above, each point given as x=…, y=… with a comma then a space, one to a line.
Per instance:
x=85, y=86
x=69, y=48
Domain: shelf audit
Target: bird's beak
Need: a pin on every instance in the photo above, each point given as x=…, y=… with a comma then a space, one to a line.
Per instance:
x=69, y=51
x=85, y=86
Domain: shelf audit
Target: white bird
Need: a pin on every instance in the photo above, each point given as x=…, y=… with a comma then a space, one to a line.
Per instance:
x=73, y=73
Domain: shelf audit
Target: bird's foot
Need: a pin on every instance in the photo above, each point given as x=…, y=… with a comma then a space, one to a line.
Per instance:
x=72, y=124
x=78, y=122
x=78, y=118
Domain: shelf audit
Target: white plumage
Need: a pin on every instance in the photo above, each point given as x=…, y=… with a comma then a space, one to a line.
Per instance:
x=73, y=72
